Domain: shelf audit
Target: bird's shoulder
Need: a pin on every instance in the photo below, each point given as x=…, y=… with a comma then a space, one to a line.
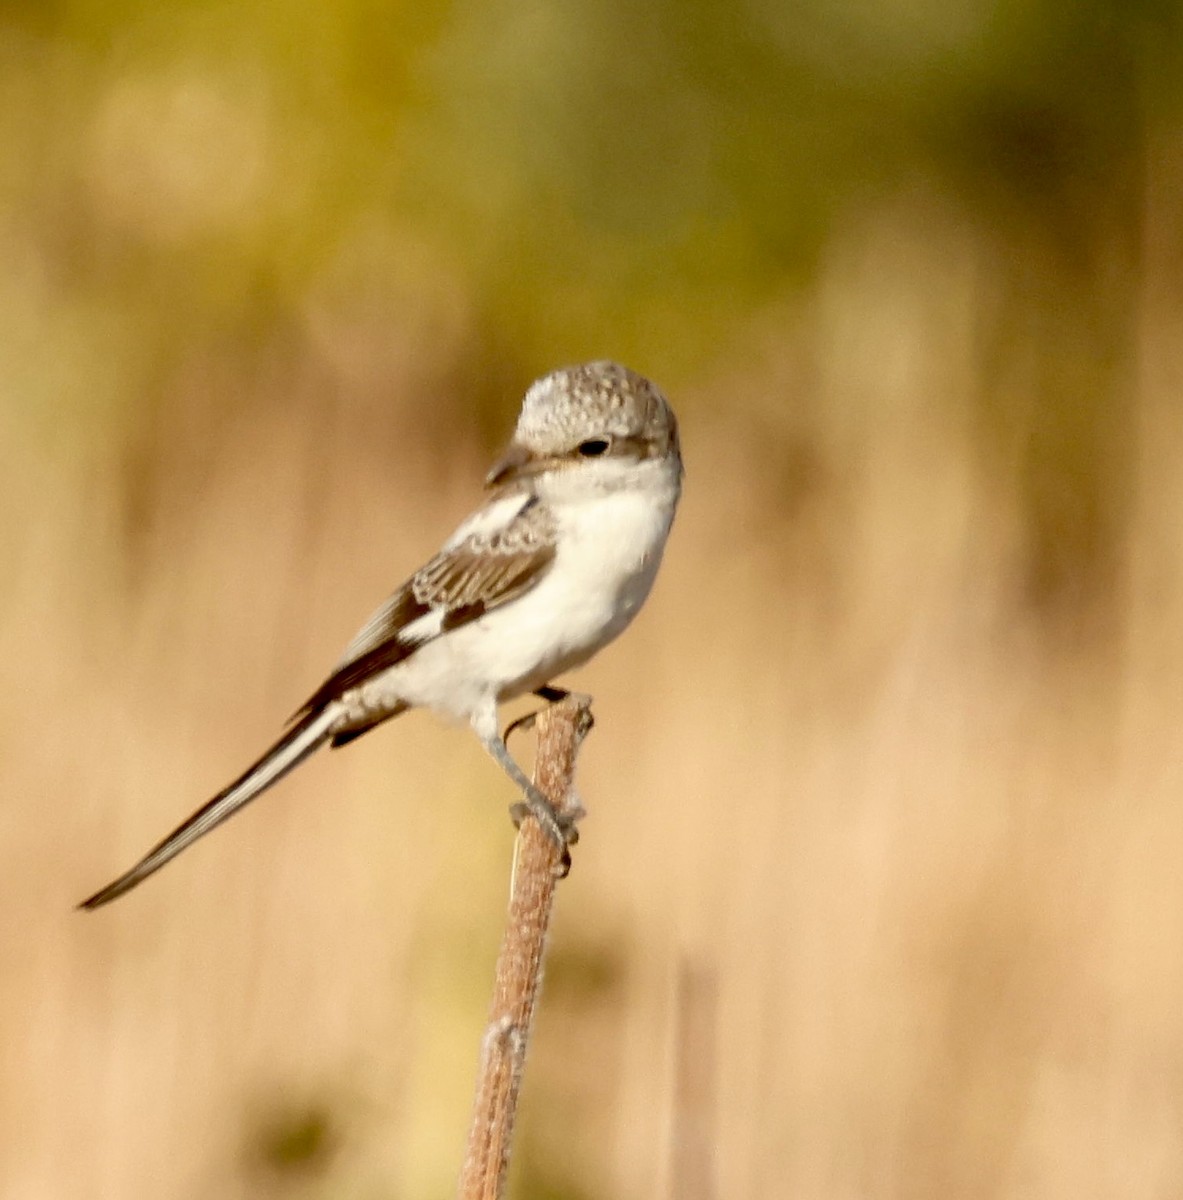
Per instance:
x=502, y=547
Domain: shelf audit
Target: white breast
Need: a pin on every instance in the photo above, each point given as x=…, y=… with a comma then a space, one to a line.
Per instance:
x=609, y=548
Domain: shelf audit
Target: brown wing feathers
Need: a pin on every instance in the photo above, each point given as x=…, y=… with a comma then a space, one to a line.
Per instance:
x=461, y=583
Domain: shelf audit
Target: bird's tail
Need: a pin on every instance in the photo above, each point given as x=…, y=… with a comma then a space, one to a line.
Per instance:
x=292, y=749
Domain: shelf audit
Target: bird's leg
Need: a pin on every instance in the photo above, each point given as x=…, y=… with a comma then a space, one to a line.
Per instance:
x=552, y=695
x=559, y=827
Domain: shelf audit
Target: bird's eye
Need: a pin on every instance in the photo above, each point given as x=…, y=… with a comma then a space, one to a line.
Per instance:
x=593, y=447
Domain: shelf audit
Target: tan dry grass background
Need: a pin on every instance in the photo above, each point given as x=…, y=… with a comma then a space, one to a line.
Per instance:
x=880, y=890
x=915, y=842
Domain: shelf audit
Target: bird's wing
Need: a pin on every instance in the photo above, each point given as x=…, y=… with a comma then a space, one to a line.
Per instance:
x=497, y=555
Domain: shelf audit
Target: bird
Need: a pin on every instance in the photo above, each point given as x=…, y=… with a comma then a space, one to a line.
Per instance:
x=552, y=567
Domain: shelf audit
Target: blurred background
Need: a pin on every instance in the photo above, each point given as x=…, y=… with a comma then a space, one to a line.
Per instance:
x=879, y=894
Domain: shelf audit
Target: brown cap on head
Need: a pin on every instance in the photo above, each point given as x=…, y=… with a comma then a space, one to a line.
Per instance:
x=602, y=397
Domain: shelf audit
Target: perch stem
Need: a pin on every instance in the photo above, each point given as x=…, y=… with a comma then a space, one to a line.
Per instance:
x=536, y=870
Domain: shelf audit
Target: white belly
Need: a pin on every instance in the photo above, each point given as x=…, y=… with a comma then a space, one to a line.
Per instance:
x=609, y=549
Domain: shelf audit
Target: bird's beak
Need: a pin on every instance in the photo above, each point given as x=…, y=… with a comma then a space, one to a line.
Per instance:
x=516, y=463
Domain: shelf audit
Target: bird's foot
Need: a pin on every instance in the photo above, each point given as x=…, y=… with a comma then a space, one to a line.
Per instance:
x=523, y=723
x=559, y=827
x=553, y=695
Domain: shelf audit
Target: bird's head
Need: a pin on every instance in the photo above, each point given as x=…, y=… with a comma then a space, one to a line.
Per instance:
x=601, y=420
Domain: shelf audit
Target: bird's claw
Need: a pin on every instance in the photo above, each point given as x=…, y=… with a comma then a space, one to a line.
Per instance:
x=547, y=692
x=524, y=723
x=558, y=826
x=553, y=696
x=587, y=720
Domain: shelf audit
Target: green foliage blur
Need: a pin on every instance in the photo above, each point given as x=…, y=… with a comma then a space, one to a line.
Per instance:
x=574, y=180
x=592, y=171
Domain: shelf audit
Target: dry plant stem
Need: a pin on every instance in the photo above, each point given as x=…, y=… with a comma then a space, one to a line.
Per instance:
x=561, y=729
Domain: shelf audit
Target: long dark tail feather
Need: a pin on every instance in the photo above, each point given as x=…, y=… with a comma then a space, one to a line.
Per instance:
x=288, y=753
